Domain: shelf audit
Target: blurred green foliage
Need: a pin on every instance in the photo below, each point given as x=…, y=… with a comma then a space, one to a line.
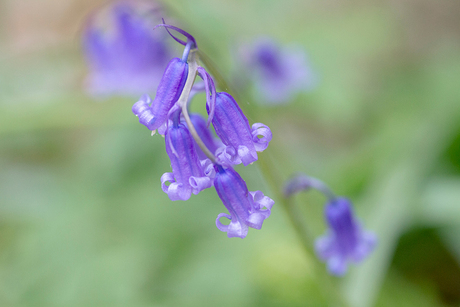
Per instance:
x=83, y=220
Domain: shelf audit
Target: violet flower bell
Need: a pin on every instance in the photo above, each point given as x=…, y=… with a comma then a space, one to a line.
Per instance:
x=345, y=240
x=278, y=72
x=188, y=173
x=153, y=114
x=127, y=58
x=241, y=141
x=247, y=209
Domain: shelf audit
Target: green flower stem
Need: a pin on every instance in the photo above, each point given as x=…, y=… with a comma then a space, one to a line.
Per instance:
x=327, y=284
x=182, y=102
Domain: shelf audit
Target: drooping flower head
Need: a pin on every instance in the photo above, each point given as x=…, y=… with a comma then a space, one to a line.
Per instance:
x=192, y=148
x=278, y=72
x=345, y=240
x=189, y=174
x=124, y=55
x=247, y=209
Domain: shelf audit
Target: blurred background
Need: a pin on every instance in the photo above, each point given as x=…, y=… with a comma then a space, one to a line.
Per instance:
x=83, y=220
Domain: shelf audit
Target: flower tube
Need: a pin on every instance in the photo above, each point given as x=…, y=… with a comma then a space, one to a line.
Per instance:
x=187, y=172
x=168, y=92
x=232, y=126
x=246, y=208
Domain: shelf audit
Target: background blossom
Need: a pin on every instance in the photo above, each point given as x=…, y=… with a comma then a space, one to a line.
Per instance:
x=123, y=53
x=279, y=72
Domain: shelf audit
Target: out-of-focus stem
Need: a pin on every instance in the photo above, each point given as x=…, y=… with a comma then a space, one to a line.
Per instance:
x=304, y=182
x=326, y=284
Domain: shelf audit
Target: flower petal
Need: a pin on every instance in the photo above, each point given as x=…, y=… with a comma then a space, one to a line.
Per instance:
x=263, y=130
x=366, y=245
x=325, y=247
x=337, y=265
x=199, y=183
x=219, y=224
x=167, y=177
x=261, y=200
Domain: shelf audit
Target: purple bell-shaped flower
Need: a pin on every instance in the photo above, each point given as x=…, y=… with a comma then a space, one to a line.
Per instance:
x=188, y=175
x=345, y=240
x=168, y=92
x=231, y=125
x=247, y=209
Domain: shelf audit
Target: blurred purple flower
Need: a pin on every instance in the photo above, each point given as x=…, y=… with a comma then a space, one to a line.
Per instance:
x=278, y=72
x=345, y=240
x=127, y=58
x=246, y=208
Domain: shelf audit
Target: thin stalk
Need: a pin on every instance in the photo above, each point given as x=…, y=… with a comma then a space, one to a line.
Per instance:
x=326, y=283
x=304, y=183
x=182, y=103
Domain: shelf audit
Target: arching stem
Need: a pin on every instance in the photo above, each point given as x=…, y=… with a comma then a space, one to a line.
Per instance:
x=182, y=103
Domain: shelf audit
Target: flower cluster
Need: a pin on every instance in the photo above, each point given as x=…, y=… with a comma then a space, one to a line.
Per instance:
x=199, y=159
x=345, y=239
x=124, y=56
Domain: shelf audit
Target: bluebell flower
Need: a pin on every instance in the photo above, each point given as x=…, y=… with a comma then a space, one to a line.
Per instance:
x=231, y=125
x=126, y=58
x=345, y=240
x=188, y=138
x=247, y=209
x=188, y=175
x=278, y=72
x=153, y=114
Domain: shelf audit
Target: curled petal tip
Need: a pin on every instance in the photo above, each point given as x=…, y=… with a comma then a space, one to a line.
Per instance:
x=259, y=129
